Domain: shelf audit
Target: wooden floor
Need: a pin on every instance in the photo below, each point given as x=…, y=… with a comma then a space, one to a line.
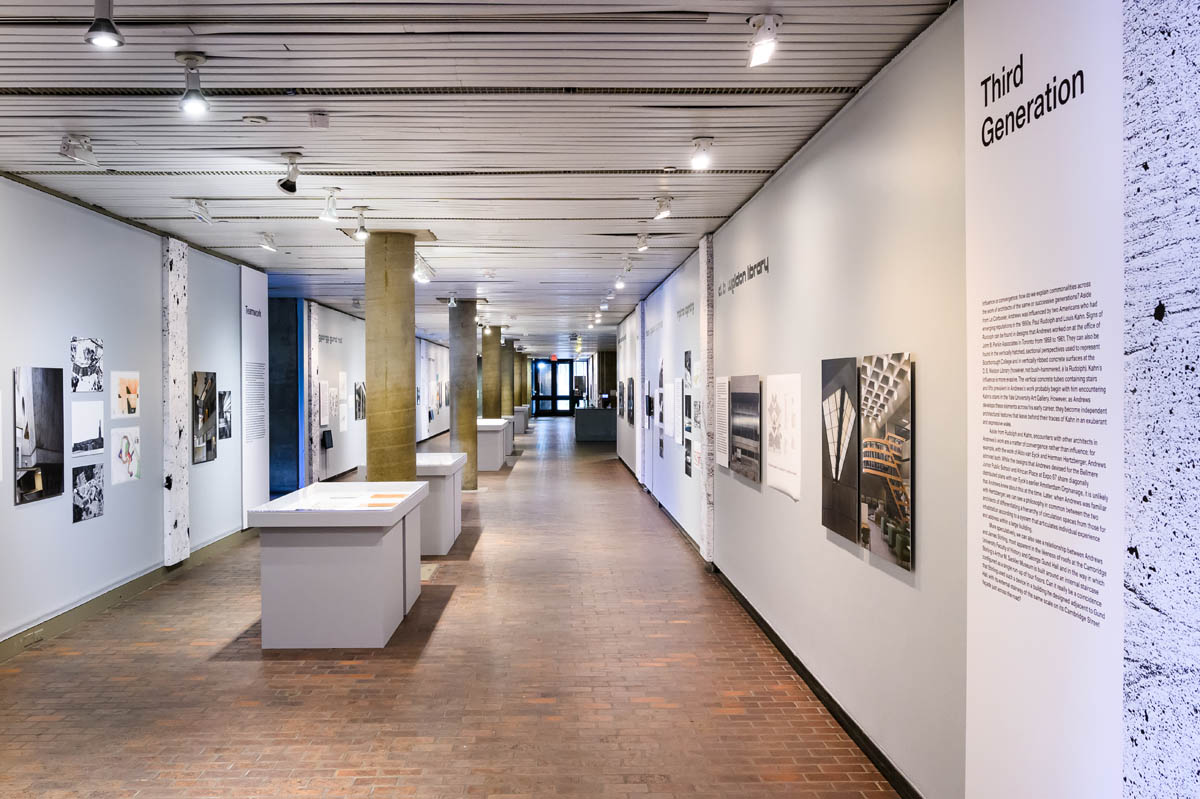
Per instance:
x=570, y=645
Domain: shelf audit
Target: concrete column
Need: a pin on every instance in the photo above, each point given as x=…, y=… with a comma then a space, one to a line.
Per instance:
x=522, y=379
x=506, y=378
x=464, y=432
x=176, y=404
x=518, y=389
x=391, y=354
x=491, y=373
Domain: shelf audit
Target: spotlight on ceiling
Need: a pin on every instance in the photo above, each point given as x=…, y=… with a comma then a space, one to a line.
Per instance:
x=103, y=33
x=361, y=233
x=604, y=306
x=453, y=303
x=267, y=242
x=329, y=214
x=591, y=326
x=664, y=207
x=643, y=241
x=620, y=284
x=193, y=102
x=702, y=153
x=78, y=148
x=422, y=271
x=287, y=185
x=199, y=211
x=762, y=43
x=612, y=295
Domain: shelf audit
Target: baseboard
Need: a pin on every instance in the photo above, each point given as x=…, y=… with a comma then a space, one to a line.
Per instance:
x=57, y=625
x=888, y=769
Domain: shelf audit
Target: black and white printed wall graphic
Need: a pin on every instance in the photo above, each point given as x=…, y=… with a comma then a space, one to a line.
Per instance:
x=87, y=492
x=225, y=414
x=87, y=365
x=204, y=417
x=38, y=433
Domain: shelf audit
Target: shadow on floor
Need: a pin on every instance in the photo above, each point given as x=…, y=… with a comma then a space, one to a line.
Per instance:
x=464, y=546
x=408, y=641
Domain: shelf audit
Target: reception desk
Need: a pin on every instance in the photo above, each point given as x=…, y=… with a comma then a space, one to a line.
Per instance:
x=441, y=513
x=493, y=440
x=340, y=564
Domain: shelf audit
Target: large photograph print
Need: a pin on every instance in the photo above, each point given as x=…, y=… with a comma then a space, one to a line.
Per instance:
x=839, y=447
x=886, y=487
x=38, y=433
x=745, y=427
x=204, y=417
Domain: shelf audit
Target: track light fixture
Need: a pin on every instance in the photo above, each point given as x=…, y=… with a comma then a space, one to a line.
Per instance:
x=361, y=233
x=620, y=284
x=664, y=207
x=453, y=303
x=591, y=326
x=267, y=242
x=330, y=214
x=702, y=153
x=288, y=184
x=643, y=241
x=78, y=148
x=193, y=102
x=422, y=271
x=611, y=295
x=199, y=211
x=103, y=33
x=604, y=306
x=762, y=43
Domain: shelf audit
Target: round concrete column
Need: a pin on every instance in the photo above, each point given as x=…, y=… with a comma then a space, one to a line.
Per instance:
x=464, y=432
x=491, y=373
x=506, y=378
x=391, y=353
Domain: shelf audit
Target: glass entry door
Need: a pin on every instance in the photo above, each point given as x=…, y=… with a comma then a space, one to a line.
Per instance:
x=552, y=388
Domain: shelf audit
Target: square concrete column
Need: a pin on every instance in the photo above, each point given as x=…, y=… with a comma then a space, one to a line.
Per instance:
x=507, y=352
x=491, y=373
x=391, y=357
x=464, y=433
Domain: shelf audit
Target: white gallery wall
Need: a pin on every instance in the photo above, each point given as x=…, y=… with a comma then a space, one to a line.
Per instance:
x=629, y=365
x=672, y=330
x=864, y=232
x=215, y=345
x=433, y=389
x=341, y=350
x=72, y=272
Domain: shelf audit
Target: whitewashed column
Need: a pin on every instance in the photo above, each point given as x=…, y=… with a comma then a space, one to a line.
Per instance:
x=176, y=399
x=312, y=385
x=708, y=392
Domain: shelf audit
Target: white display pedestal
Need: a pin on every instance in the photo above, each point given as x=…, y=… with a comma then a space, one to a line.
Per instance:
x=340, y=564
x=493, y=441
x=521, y=420
x=441, y=513
x=510, y=434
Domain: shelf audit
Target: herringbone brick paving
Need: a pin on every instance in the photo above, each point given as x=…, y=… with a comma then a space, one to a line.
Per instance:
x=570, y=645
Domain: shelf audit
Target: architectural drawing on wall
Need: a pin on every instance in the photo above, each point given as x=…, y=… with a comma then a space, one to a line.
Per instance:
x=204, y=416
x=126, y=394
x=629, y=393
x=886, y=486
x=687, y=393
x=745, y=426
x=360, y=401
x=721, y=421
x=343, y=386
x=87, y=492
x=839, y=446
x=343, y=416
x=225, y=414
x=126, y=448
x=87, y=428
x=37, y=434
x=87, y=365
x=323, y=403
x=782, y=396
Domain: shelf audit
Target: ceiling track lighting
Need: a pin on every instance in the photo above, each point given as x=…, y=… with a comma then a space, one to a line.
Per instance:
x=78, y=148
x=193, y=102
x=611, y=295
x=663, y=209
x=199, y=211
x=288, y=184
x=360, y=232
x=643, y=241
x=267, y=242
x=329, y=213
x=620, y=283
x=762, y=43
x=104, y=33
x=702, y=153
x=422, y=271
x=453, y=302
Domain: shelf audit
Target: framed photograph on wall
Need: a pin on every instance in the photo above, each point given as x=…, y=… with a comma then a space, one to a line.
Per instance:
x=839, y=447
x=886, y=475
x=204, y=417
x=745, y=426
x=37, y=434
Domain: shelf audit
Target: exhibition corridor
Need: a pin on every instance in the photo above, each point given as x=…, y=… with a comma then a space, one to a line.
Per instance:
x=571, y=643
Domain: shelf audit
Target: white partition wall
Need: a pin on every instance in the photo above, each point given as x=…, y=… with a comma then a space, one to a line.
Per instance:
x=629, y=369
x=433, y=389
x=856, y=247
x=672, y=348
x=341, y=362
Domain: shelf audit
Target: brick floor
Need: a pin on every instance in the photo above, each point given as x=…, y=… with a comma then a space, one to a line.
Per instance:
x=570, y=645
